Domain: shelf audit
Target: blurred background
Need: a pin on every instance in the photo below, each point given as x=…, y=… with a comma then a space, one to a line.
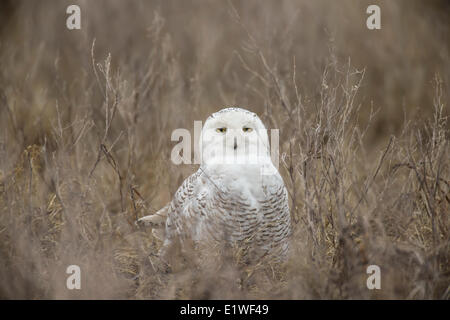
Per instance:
x=202, y=41
x=137, y=70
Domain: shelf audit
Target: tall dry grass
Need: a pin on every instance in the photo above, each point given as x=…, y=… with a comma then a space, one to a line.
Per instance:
x=86, y=118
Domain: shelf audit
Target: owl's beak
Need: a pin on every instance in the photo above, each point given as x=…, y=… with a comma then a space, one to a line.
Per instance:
x=235, y=143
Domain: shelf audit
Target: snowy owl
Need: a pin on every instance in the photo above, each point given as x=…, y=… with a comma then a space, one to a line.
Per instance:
x=237, y=196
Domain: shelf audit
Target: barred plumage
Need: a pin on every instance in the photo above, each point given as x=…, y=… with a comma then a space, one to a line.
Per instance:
x=230, y=201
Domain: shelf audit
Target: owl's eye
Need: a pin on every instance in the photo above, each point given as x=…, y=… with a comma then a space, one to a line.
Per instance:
x=221, y=130
x=246, y=129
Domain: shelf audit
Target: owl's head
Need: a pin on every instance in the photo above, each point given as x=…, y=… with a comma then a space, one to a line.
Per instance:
x=234, y=136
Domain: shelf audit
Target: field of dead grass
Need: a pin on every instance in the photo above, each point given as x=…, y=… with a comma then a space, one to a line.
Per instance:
x=86, y=118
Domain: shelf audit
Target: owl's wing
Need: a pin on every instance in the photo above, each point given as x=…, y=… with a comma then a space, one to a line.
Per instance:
x=277, y=220
x=156, y=221
x=181, y=208
x=184, y=209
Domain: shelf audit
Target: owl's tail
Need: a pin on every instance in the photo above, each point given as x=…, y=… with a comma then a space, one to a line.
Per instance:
x=156, y=221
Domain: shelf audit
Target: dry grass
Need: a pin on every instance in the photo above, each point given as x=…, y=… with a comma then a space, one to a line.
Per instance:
x=85, y=143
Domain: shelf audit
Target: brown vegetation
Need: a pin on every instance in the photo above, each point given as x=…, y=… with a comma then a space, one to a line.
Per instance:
x=86, y=118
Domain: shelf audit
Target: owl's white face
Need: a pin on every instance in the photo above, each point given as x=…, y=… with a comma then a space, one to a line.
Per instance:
x=234, y=136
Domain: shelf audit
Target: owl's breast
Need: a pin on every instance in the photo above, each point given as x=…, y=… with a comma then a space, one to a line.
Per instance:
x=238, y=193
x=240, y=205
x=243, y=182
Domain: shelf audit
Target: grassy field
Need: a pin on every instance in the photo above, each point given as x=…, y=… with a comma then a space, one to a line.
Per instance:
x=86, y=118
